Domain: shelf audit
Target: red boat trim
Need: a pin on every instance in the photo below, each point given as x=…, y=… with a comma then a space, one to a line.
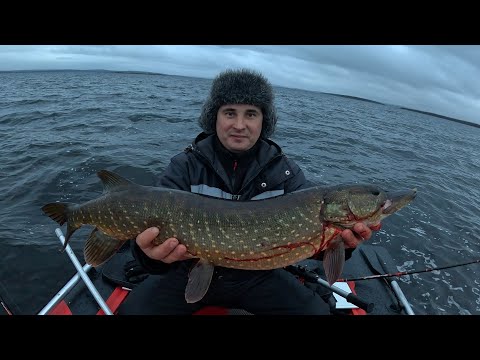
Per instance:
x=119, y=295
x=61, y=309
x=116, y=298
x=212, y=310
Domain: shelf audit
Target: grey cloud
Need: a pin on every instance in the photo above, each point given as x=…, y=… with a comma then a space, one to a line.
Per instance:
x=439, y=79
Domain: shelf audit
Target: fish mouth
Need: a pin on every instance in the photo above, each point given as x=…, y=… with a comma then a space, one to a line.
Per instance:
x=397, y=200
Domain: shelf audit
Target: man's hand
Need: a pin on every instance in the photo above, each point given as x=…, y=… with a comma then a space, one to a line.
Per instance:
x=168, y=252
x=359, y=233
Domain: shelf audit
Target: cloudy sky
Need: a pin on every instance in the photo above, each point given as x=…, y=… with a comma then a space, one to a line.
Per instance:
x=441, y=79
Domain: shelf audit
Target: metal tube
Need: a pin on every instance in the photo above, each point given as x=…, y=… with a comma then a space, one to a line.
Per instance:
x=60, y=295
x=333, y=288
x=83, y=274
x=401, y=297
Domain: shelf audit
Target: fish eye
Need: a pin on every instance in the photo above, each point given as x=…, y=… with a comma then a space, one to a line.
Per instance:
x=376, y=193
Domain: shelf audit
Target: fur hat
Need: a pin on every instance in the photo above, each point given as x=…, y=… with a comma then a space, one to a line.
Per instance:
x=240, y=87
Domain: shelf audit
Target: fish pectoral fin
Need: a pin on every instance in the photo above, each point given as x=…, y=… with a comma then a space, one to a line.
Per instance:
x=199, y=280
x=100, y=247
x=333, y=261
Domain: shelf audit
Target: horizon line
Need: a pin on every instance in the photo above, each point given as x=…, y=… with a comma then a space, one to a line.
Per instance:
x=139, y=72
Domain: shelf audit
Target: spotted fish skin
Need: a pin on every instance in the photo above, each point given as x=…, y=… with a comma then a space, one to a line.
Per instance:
x=260, y=234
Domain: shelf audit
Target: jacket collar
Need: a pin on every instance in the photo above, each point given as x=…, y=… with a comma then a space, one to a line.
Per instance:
x=265, y=151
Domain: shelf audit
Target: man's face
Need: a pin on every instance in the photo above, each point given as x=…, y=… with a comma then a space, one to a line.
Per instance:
x=239, y=126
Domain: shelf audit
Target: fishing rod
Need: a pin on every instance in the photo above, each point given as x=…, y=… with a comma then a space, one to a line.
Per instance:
x=403, y=273
x=311, y=276
x=5, y=307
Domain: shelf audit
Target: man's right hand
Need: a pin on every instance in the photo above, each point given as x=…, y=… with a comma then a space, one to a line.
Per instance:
x=168, y=252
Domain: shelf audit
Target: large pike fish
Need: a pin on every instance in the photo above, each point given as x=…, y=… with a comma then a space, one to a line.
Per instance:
x=261, y=234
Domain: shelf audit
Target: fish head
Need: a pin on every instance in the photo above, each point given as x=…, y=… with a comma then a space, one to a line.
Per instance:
x=343, y=206
x=348, y=204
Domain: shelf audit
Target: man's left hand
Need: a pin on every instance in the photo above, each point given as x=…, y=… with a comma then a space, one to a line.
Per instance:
x=354, y=237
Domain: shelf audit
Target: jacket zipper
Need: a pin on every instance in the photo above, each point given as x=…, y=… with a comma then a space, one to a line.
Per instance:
x=258, y=172
x=236, y=197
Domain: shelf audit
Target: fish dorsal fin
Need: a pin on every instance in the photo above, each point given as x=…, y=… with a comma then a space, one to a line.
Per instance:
x=112, y=181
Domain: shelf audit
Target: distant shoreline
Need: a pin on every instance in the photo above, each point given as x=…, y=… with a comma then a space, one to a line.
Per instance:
x=443, y=117
x=92, y=70
x=414, y=110
x=161, y=74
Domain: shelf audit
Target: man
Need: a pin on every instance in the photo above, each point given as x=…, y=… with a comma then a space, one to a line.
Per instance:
x=232, y=158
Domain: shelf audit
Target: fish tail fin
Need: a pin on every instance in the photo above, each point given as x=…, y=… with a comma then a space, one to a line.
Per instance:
x=59, y=212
